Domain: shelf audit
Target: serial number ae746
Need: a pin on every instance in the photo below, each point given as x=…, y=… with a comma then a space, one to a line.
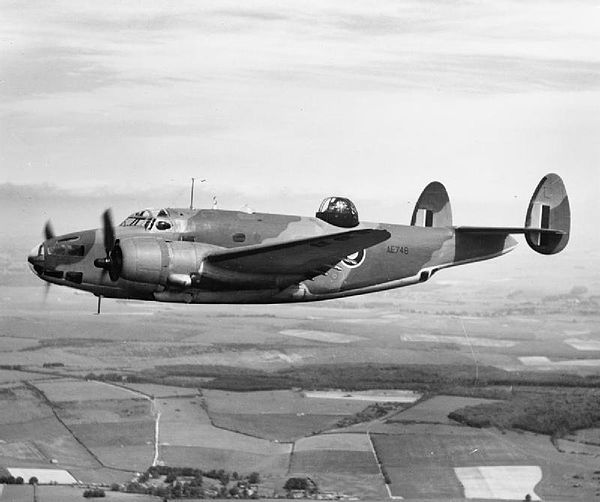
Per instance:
x=397, y=249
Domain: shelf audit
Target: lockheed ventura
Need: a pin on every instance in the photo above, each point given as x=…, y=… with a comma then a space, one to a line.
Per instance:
x=217, y=256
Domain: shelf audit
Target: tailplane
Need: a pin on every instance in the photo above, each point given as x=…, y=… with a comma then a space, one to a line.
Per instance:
x=548, y=219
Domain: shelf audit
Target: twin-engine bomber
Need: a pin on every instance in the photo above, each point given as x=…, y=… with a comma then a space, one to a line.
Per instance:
x=217, y=256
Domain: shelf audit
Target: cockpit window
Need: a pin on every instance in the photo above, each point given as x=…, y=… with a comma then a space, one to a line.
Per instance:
x=149, y=219
x=142, y=218
x=65, y=249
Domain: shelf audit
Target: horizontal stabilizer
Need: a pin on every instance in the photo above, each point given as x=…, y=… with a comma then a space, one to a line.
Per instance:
x=548, y=219
x=509, y=230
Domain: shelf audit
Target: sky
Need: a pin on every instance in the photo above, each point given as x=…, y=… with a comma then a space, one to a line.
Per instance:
x=281, y=103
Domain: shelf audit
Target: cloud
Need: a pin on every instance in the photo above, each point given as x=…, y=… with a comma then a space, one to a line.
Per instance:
x=474, y=73
x=48, y=70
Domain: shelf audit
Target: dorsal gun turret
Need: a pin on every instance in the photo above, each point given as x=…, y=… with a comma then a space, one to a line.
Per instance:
x=338, y=211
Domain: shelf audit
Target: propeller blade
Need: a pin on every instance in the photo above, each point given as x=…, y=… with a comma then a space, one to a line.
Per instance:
x=109, y=231
x=46, y=291
x=48, y=231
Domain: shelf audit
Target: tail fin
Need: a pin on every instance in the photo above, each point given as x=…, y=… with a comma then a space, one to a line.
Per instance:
x=549, y=209
x=433, y=207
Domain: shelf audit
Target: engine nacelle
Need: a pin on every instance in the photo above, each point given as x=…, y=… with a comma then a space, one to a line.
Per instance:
x=152, y=261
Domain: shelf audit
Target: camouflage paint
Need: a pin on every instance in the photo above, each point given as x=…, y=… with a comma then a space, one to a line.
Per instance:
x=411, y=254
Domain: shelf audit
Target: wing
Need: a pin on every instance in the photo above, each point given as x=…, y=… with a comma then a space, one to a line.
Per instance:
x=303, y=257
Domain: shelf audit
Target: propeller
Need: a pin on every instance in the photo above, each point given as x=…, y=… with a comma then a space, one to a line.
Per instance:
x=113, y=260
x=48, y=230
x=46, y=291
x=48, y=234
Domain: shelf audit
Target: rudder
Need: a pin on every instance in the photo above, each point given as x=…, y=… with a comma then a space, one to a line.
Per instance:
x=549, y=209
x=433, y=207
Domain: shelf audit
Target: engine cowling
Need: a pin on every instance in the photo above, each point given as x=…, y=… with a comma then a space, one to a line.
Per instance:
x=153, y=261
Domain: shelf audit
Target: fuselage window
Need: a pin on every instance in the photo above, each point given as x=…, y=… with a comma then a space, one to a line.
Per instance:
x=163, y=225
x=239, y=237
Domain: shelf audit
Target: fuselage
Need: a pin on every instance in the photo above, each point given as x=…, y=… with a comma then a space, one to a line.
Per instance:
x=410, y=255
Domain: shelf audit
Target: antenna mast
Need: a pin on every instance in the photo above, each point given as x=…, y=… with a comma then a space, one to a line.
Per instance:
x=192, y=192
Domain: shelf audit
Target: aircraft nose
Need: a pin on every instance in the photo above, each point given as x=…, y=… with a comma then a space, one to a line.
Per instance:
x=36, y=259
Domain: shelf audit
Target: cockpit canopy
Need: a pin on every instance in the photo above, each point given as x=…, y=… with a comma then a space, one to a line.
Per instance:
x=338, y=211
x=150, y=219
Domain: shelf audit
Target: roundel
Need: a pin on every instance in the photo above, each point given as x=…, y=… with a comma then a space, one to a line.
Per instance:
x=355, y=259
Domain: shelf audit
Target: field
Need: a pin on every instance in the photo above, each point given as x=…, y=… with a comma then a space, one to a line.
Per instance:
x=372, y=396
x=262, y=380
x=435, y=409
x=269, y=464
x=13, y=493
x=188, y=437
x=44, y=476
x=282, y=427
x=105, y=411
x=339, y=462
x=153, y=390
x=590, y=436
x=278, y=415
x=333, y=462
x=76, y=390
x=490, y=482
x=277, y=402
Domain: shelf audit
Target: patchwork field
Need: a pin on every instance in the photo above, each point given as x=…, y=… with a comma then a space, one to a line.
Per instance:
x=321, y=336
x=105, y=411
x=363, y=486
x=491, y=482
x=334, y=442
x=269, y=464
x=78, y=390
x=274, y=426
x=154, y=390
x=45, y=493
x=372, y=396
x=423, y=454
x=44, y=476
x=436, y=409
x=334, y=453
x=283, y=415
x=410, y=460
x=187, y=434
x=459, y=340
x=417, y=482
x=339, y=461
x=117, y=428
x=32, y=435
x=279, y=401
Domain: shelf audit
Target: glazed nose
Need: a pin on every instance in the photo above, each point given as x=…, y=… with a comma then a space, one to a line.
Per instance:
x=36, y=258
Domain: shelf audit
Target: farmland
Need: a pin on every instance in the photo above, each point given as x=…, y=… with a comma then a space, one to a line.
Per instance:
x=263, y=388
